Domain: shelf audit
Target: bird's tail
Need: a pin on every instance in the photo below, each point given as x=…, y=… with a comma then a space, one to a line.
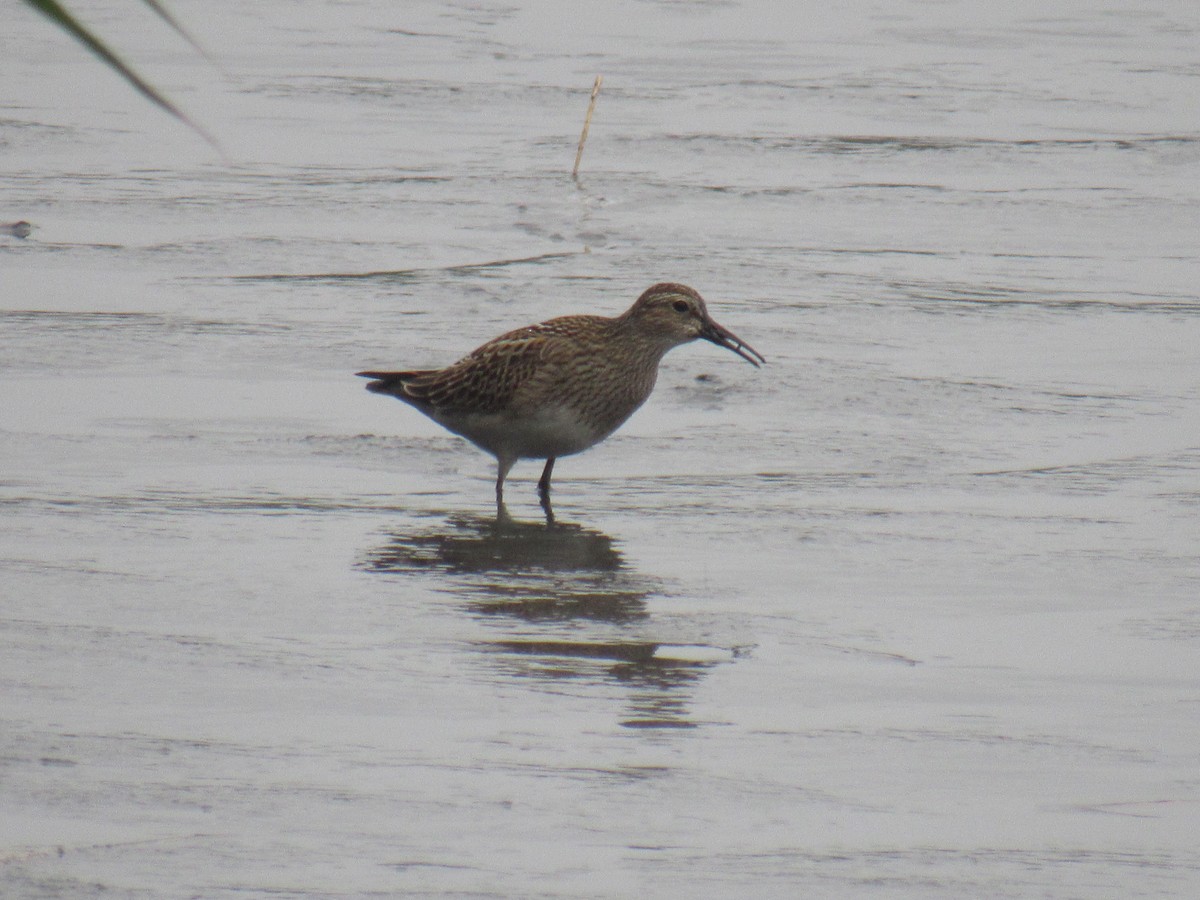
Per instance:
x=394, y=383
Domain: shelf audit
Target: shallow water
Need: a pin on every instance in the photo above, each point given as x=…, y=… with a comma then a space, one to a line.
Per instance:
x=909, y=612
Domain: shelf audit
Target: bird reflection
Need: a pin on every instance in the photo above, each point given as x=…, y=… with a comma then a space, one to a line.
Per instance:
x=574, y=608
x=532, y=571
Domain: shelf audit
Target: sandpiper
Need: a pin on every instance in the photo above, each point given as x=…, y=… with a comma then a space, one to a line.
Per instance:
x=561, y=386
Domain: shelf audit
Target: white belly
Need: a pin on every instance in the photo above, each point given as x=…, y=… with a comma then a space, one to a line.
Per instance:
x=550, y=431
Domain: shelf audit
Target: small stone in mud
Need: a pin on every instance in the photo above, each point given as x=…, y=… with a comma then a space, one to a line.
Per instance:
x=20, y=229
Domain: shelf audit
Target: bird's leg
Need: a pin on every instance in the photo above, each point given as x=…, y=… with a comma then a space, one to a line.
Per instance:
x=544, y=490
x=544, y=481
x=503, y=465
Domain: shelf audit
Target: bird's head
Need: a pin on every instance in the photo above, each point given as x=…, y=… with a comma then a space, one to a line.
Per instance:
x=675, y=314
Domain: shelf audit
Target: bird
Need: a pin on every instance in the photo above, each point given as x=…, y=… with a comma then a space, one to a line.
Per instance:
x=561, y=386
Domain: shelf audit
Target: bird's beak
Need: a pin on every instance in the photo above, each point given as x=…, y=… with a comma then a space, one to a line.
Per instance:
x=723, y=337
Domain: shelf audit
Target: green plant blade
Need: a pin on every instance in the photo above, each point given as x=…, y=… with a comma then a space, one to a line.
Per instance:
x=163, y=13
x=57, y=14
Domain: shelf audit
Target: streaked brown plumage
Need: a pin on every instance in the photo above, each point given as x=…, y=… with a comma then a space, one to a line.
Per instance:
x=561, y=386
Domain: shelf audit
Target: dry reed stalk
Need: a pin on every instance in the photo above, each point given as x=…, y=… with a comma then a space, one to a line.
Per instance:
x=587, y=121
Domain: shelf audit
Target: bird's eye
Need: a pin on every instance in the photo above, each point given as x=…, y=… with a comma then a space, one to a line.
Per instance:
x=680, y=306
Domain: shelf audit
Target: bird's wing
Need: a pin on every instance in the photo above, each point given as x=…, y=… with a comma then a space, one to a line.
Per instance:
x=486, y=379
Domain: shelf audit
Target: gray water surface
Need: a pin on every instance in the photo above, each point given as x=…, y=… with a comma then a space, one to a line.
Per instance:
x=909, y=612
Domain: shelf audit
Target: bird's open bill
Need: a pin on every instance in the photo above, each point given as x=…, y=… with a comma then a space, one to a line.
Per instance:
x=723, y=337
